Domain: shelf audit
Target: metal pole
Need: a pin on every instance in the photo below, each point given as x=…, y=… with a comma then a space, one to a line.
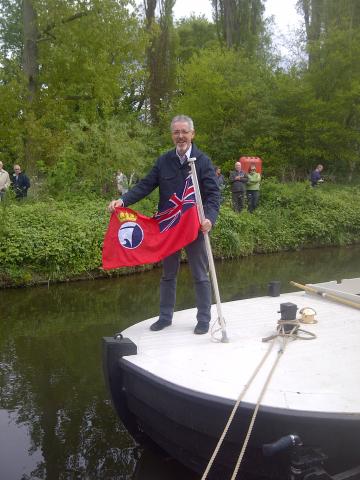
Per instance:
x=224, y=338
x=331, y=296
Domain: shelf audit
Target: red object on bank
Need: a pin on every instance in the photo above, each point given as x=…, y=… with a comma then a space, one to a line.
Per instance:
x=246, y=163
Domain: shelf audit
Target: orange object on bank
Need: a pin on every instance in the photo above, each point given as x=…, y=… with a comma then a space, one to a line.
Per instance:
x=246, y=163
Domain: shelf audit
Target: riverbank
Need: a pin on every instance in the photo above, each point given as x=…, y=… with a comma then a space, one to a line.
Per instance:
x=50, y=241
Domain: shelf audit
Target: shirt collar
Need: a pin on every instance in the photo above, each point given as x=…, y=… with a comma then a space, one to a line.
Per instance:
x=187, y=154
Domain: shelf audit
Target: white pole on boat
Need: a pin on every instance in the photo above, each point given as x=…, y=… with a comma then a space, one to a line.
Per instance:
x=200, y=207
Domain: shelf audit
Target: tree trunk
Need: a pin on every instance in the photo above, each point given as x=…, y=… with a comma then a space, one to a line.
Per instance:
x=30, y=68
x=30, y=55
x=240, y=22
x=313, y=11
x=229, y=22
x=160, y=57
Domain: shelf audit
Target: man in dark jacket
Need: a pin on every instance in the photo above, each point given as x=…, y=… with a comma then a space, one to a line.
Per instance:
x=168, y=174
x=238, y=180
x=20, y=182
x=315, y=177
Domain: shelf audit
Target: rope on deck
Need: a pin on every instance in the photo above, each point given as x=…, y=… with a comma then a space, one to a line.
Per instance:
x=285, y=337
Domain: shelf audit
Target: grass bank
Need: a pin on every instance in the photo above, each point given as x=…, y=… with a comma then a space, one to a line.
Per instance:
x=48, y=241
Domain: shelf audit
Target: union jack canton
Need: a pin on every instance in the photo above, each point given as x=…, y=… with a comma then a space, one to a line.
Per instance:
x=180, y=203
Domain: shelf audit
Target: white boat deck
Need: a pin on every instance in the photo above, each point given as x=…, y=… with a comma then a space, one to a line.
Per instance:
x=320, y=375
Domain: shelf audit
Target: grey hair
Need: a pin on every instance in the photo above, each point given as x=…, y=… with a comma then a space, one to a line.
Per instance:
x=182, y=118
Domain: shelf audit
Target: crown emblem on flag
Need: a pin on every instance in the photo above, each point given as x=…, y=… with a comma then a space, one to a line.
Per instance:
x=127, y=217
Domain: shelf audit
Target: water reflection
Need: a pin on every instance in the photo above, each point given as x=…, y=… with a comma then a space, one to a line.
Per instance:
x=16, y=455
x=52, y=394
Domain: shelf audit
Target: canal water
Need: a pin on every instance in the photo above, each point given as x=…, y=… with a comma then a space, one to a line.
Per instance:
x=56, y=420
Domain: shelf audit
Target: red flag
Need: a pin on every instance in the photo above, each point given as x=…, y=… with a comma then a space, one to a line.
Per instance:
x=134, y=239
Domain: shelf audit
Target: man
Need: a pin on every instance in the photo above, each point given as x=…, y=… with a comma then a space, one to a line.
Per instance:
x=169, y=173
x=4, y=181
x=219, y=177
x=20, y=182
x=238, y=180
x=252, y=188
x=121, y=182
x=315, y=177
x=221, y=182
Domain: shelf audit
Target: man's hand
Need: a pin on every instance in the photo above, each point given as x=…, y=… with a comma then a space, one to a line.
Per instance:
x=206, y=226
x=115, y=204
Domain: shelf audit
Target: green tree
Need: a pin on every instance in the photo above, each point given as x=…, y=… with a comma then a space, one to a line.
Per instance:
x=194, y=34
x=89, y=59
x=229, y=97
x=333, y=34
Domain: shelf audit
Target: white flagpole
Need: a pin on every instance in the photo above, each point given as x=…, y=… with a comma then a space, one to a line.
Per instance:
x=224, y=338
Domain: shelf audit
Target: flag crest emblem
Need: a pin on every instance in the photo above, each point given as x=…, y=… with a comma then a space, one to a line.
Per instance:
x=130, y=235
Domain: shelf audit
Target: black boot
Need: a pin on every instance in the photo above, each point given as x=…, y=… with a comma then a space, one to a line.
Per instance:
x=201, y=328
x=159, y=325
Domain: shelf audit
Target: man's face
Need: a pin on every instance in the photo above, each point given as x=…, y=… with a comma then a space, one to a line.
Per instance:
x=17, y=169
x=182, y=136
x=238, y=166
x=1, y=165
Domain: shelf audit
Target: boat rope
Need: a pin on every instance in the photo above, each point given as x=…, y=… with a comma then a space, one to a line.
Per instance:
x=283, y=331
x=254, y=415
x=285, y=334
x=214, y=331
x=233, y=412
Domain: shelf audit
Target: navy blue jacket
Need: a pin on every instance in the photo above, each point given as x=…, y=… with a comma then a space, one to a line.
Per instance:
x=314, y=178
x=169, y=175
x=20, y=184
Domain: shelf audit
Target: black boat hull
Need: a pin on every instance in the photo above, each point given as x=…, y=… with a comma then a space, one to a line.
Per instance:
x=187, y=424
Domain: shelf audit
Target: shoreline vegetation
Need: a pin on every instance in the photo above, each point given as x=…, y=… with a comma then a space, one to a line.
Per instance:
x=86, y=92
x=48, y=241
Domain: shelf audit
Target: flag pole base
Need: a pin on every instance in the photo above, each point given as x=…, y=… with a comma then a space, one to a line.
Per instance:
x=224, y=337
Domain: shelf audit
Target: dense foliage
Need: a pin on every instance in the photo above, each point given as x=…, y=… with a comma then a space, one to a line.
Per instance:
x=87, y=88
x=52, y=240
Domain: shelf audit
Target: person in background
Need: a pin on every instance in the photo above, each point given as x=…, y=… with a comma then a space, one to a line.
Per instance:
x=238, y=180
x=4, y=181
x=121, y=182
x=169, y=174
x=20, y=182
x=315, y=177
x=221, y=181
x=252, y=188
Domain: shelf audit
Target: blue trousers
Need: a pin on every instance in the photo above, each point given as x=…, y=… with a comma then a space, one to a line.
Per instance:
x=238, y=201
x=253, y=199
x=199, y=266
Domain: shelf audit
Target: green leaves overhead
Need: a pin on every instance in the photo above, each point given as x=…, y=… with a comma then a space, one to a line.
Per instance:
x=228, y=95
x=81, y=82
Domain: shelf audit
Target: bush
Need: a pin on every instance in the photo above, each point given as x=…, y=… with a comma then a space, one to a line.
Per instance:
x=49, y=241
x=290, y=217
